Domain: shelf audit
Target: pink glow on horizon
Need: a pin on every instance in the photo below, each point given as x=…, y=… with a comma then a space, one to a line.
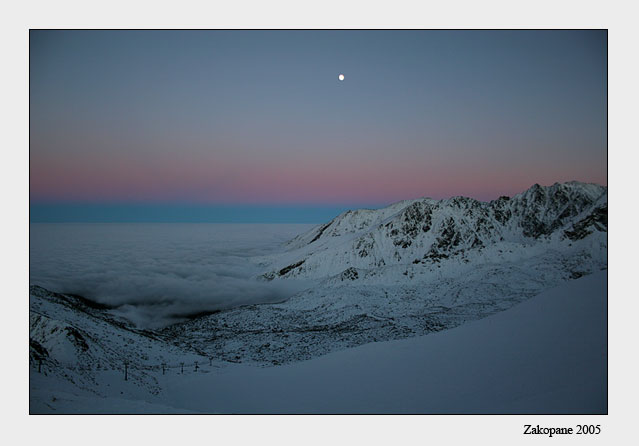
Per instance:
x=270, y=182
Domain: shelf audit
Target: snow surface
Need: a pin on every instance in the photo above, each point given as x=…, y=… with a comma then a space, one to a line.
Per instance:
x=545, y=355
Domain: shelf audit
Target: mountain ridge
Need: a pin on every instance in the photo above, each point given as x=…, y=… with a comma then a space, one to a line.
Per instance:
x=425, y=229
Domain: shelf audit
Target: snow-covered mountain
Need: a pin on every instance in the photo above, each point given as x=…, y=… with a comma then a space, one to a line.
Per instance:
x=413, y=268
x=361, y=243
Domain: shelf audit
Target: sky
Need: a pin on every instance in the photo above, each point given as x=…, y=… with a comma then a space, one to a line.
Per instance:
x=255, y=126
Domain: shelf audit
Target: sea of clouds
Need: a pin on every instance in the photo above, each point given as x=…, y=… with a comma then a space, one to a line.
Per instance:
x=157, y=274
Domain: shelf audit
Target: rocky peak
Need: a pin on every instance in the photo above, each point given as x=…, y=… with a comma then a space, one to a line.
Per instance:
x=427, y=230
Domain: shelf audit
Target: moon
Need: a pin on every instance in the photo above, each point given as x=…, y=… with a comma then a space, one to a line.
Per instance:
x=341, y=77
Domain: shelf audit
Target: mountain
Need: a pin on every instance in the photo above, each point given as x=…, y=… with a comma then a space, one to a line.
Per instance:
x=413, y=268
x=364, y=242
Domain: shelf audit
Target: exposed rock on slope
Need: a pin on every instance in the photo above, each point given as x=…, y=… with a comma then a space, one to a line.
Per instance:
x=426, y=230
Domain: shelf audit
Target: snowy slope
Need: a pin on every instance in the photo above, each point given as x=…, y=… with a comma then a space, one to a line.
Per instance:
x=546, y=355
x=75, y=341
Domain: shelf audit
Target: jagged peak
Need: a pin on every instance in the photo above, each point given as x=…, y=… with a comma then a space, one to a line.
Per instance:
x=539, y=210
x=590, y=189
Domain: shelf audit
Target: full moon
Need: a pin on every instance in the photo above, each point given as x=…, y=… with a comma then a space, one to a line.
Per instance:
x=341, y=77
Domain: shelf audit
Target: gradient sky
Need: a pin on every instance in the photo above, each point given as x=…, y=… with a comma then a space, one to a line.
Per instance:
x=259, y=120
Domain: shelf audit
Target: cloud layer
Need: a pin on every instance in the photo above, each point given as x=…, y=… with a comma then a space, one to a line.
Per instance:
x=156, y=274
